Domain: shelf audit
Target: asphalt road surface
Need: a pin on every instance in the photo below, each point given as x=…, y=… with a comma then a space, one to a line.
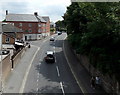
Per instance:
x=50, y=78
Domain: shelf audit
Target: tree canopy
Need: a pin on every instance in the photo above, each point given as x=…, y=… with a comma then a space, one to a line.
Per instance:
x=94, y=30
x=60, y=26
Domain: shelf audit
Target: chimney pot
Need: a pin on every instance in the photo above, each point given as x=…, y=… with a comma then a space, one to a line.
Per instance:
x=35, y=13
x=6, y=12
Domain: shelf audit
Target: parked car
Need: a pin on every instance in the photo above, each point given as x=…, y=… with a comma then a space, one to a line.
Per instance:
x=50, y=57
x=4, y=52
x=52, y=39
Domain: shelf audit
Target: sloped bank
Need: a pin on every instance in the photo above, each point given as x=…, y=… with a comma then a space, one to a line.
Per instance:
x=110, y=84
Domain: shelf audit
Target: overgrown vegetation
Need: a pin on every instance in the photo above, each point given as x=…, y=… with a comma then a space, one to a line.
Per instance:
x=60, y=26
x=94, y=30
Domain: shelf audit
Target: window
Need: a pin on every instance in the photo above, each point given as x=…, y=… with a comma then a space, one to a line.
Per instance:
x=30, y=37
x=7, y=39
x=39, y=25
x=12, y=24
x=30, y=30
x=44, y=30
x=43, y=25
x=39, y=30
x=30, y=25
x=20, y=24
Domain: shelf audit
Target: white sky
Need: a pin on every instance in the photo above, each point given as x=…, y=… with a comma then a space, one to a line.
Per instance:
x=52, y=8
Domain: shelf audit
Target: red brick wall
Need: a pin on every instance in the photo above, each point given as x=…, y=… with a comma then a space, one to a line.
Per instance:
x=12, y=40
x=19, y=35
x=34, y=27
x=25, y=26
x=48, y=26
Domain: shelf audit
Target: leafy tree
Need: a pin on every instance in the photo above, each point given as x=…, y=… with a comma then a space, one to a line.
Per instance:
x=60, y=26
x=94, y=30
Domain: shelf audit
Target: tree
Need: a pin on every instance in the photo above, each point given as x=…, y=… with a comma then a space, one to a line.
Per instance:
x=60, y=26
x=94, y=30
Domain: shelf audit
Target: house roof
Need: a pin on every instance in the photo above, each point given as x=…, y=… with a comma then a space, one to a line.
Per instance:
x=10, y=28
x=21, y=17
x=41, y=19
x=24, y=17
x=13, y=35
x=46, y=18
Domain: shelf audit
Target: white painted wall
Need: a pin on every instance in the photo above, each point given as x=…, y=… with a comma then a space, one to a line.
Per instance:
x=36, y=36
x=39, y=36
x=30, y=36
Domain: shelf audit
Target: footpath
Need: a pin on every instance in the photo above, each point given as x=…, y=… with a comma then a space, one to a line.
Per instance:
x=81, y=75
x=15, y=79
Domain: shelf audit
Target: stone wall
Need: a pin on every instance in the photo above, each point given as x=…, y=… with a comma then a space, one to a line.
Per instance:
x=6, y=67
x=18, y=57
x=110, y=84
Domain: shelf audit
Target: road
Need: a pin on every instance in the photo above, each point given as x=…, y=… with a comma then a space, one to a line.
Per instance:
x=50, y=78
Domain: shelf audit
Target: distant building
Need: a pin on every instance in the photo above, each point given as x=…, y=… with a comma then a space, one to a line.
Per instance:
x=34, y=26
x=52, y=25
x=52, y=28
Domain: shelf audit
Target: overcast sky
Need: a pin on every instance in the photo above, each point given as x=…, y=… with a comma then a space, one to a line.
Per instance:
x=52, y=8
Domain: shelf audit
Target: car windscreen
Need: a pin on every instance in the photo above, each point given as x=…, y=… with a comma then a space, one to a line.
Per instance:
x=50, y=55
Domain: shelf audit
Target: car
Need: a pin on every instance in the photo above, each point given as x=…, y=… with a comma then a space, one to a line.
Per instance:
x=59, y=33
x=50, y=57
x=4, y=52
x=52, y=39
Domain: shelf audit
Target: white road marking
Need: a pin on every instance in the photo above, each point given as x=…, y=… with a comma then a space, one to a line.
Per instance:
x=27, y=72
x=44, y=40
x=37, y=80
x=55, y=60
x=37, y=89
x=54, y=47
x=58, y=71
x=39, y=63
x=38, y=74
x=78, y=82
x=65, y=37
x=61, y=85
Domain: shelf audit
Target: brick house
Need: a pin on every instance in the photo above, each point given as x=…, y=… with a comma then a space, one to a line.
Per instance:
x=46, y=18
x=11, y=34
x=34, y=26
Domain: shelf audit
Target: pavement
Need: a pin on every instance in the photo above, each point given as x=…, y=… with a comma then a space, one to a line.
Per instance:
x=81, y=75
x=15, y=78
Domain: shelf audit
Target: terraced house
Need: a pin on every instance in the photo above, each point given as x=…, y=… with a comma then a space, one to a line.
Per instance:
x=34, y=26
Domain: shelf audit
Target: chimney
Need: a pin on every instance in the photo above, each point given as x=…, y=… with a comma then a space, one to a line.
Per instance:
x=35, y=13
x=6, y=12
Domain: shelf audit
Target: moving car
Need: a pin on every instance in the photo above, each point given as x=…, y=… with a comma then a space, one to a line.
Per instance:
x=59, y=33
x=50, y=57
x=52, y=39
